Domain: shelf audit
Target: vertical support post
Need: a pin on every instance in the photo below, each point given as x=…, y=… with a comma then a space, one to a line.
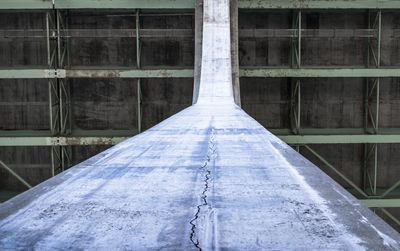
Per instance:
x=198, y=38
x=372, y=92
x=138, y=65
x=64, y=88
x=378, y=28
x=53, y=90
x=295, y=56
x=375, y=169
x=47, y=17
x=60, y=98
x=52, y=83
x=379, y=34
x=295, y=108
x=234, y=19
x=299, y=39
x=298, y=105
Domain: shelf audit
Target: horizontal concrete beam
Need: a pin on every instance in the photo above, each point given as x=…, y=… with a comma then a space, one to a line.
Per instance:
x=381, y=203
x=124, y=4
x=340, y=139
x=290, y=139
x=319, y=4
x=319, y=72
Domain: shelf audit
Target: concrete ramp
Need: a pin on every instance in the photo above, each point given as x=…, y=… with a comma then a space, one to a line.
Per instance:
x=208, y=178
x=216, y=73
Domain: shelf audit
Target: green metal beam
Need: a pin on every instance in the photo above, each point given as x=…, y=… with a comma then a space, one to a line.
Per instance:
x=334, y=131
x=136, y=73
x=74, y=132
x=340, y=139
x=319, y=4
x=124, y=4
x=190, y=4
x=59, y=141
x=350, y=182
x=391, y=216
x=133, y=131
x=27, y=73
x=15, y=174
x=26, y=4
x=61, y=73
x=189, y=73
x=111, y=140
x=381, y=203
x=319, y=72
x=380, y=190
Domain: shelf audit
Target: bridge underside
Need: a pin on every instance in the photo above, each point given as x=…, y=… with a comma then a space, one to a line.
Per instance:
x=209, y=177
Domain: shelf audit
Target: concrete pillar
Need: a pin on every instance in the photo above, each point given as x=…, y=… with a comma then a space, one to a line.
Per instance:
x=198, y=37
x=235, y=50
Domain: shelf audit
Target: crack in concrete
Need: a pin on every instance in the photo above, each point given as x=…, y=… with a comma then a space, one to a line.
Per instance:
x=207, y=176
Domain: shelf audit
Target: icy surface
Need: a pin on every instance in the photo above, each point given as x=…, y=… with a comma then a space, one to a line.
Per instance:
x=209, y=178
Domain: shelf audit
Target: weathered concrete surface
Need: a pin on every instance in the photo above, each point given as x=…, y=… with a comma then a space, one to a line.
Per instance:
x=198, y=38
x=208, y=178
x=144, y=192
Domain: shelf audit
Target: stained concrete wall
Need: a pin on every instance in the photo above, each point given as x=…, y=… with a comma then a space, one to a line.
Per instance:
x=18, y=52
x=264, y=51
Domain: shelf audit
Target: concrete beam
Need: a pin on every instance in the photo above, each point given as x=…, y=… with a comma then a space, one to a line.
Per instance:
x=319, y=72
x=124, y=4
x=319, y=4
x=198, y=47
x=234, y=13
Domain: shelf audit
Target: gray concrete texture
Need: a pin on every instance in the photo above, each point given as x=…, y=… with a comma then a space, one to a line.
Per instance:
x=111, y=104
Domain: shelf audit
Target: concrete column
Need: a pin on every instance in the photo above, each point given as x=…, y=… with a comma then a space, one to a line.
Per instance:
x=198, y=37
x=235, y=50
